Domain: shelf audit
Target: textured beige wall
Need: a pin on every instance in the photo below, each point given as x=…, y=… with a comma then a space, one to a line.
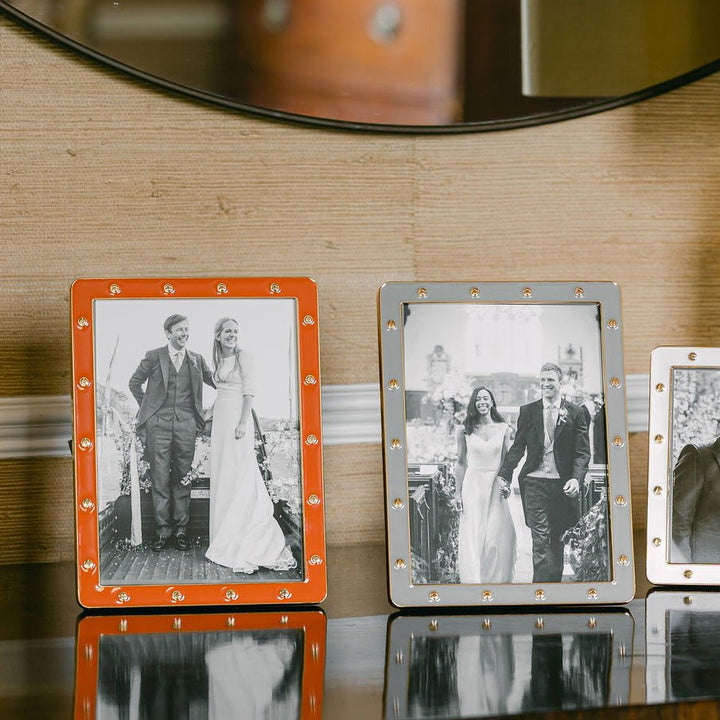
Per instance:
x=101, y=175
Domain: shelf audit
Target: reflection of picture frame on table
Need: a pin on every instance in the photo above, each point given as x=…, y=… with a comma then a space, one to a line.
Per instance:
x=236, y=664
x=683, y=467
x=681, y=645
x=504, y=439
x=493, y=665
x=197, y=442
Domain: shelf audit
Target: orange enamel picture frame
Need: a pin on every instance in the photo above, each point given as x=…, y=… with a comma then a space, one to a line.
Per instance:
x=311, y=624
x=175, y=295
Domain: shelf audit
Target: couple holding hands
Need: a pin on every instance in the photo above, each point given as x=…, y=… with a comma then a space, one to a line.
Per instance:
x=553, y=434
x=168, y=386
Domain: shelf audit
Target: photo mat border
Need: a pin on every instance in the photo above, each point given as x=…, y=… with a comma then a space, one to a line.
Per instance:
x=313, y=588
x=392, y=296
x=403, y=629
x=660, y=571
x=90, y=629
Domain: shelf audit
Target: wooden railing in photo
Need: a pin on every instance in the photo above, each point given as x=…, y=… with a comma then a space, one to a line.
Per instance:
x=430, y=515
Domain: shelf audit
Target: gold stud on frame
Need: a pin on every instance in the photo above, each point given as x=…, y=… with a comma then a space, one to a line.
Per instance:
x=177, y=596
x=487, y=596
x=393, y=384
x=231, y=594
x=221, y=289
x=540, y=595
x=313, y=500
x=315, y=560
x=230, y=622
x=657, y=490
x=400, y=564
x=613, y=324
x=615, y=382
x=87, y=504
x=475, y=293
x=115, y=289
x=122, y=597
x=85, y=444
x=310, y=380
x=395, y=444
x=284, y=594
x=434, y=596
x=660, y=387
x=422, y=293
x=527, y=293
x=592, y=594
x=84, y=383
x=623, y=560
x=618, y=441
x=434, y=625
x=486, y=624
x=169, y=289
x=592, y=623
x=659, y=439
x=391, y=325
x=621, y=500
x=88, y=565
x=82, y=323
x=311, y=440
x=657, y=542
x=539, y=623
x=688, y=574
x=177, y=624
x=398, y=504
x=692, y=356
x=274, y=288
x=308, y=320
x=123, y=626
x=579, y=292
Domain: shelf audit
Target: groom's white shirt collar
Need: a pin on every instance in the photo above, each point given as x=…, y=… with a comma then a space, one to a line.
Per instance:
x=556, y=404
x=176, y=353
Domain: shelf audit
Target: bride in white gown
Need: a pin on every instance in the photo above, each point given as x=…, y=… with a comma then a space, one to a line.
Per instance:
x=486, y=537
x=244, y=535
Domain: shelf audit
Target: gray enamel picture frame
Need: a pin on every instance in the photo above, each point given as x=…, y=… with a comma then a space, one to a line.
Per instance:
x=684, y=382
x=396, y=303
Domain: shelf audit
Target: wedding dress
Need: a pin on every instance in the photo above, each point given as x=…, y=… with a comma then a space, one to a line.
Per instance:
x=486, y=537
x=244, y=535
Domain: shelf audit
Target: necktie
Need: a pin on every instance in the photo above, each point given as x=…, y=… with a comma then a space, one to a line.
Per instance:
x=177, y=361
x=549, y=425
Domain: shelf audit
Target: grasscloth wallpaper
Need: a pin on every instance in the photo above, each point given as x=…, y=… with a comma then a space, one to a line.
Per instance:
x=101, y=175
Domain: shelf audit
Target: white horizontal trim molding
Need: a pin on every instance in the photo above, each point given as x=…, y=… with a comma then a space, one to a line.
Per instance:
x=41, y=426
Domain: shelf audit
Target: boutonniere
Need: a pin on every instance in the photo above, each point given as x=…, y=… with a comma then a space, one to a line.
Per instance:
x=194, y=362
x=562, y=415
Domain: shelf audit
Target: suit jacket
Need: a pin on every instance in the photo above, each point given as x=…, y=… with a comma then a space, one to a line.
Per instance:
x=155, y=368
x=696, y=503
x=572, y=443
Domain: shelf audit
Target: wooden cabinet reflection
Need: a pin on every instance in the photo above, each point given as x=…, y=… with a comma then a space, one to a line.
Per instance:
x=360, y=60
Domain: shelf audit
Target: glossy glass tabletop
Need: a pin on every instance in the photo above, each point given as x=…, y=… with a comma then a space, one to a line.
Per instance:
x=431, y=66
x=352, y=658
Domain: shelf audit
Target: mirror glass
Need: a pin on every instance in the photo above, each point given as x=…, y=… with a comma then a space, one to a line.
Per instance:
x=430, y=66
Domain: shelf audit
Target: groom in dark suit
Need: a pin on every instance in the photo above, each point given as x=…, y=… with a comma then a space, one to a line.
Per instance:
x=554, y=433
x=696, y=504
x=171, y=413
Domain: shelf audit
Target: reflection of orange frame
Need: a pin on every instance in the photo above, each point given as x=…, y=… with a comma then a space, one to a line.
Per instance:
x=92, y=628
x=90, y=593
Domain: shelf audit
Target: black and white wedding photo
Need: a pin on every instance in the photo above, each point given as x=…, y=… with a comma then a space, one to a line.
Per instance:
x=197, y=425
x=506, y=443
x=695, y=465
